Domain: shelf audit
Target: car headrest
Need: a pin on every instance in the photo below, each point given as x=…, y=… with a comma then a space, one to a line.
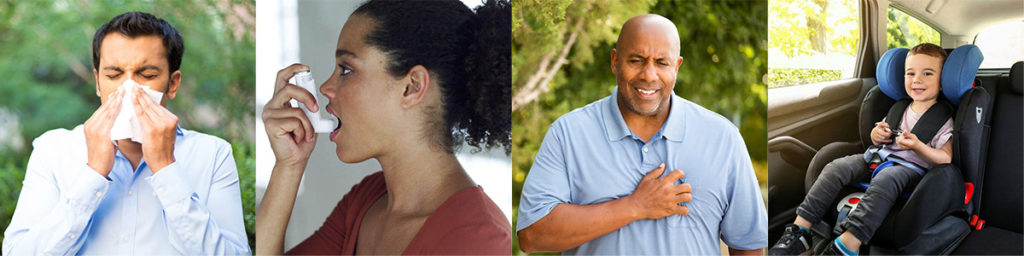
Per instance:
x=959, y=71
x=1017, y=77
x=889, y=73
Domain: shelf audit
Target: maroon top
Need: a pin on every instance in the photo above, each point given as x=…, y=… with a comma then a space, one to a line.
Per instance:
x=467, y=223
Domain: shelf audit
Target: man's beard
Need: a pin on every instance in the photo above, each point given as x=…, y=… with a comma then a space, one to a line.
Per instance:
x=634, y=107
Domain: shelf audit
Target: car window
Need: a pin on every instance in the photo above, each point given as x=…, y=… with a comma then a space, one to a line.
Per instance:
x=905, y=31
x=1002, y=44
x=811, y=41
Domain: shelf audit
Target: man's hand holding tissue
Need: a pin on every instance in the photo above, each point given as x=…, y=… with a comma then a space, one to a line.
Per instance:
x=159, y=128
x=97, y=134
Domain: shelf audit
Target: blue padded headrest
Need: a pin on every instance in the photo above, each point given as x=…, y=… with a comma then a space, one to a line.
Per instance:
x=889, y=73
x=959, y=71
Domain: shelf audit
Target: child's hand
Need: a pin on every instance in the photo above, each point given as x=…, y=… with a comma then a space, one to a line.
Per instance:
x=881, y=133
x=908, y=141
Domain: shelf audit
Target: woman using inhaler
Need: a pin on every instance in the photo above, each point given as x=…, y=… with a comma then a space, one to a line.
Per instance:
x=413, y=81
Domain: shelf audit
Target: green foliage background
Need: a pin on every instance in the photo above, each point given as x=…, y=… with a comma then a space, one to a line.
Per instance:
x=905, y=31
x=723, y=45
x=46, y=66
x=791, y=32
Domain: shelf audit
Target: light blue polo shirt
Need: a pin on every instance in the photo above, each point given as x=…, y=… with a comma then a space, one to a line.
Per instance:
x=590, y=156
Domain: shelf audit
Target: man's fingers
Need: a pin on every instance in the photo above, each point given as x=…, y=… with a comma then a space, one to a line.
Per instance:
x=113, y=103
x=653, y=174
x=674, y=175
x=684, y=197
x=143, y=111
x=284, y=74
x=683, y=188
x=106, y=114
x=682, y=210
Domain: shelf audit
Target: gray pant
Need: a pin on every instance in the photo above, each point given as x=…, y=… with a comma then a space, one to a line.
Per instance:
x=885, y=188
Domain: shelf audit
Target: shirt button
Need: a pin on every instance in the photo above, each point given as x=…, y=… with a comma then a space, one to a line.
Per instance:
x=187, y=236
x=72, y=236
x=129, y=192
x=645, y=149
x=125, y=238
x=160, y=190
x=99, y=194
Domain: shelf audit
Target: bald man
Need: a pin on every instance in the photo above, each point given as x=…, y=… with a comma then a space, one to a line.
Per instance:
x=642, y=171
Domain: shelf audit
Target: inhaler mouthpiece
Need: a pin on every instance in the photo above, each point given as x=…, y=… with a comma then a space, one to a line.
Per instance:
x=320, y=123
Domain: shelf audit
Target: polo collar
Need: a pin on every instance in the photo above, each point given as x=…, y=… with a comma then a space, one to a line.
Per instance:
x=615, y=125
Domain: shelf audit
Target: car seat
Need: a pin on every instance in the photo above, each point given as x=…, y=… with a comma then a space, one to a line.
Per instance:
x=997, y=222
x=933, y=218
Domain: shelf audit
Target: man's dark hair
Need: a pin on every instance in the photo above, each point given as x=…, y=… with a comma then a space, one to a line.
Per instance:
x=135, y=24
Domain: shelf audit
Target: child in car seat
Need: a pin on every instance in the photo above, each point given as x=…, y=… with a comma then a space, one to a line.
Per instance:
x=922, y=75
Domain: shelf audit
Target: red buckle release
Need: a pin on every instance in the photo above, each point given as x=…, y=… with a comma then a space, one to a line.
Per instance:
x=854, y=200
x=974, y=220
x=873, y=166
x=981, y=224
x=968, y=192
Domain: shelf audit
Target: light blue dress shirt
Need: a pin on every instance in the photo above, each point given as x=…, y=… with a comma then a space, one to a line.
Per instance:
x=191, y=207
x=590, y=156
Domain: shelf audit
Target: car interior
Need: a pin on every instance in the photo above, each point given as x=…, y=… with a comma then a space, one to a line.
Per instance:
x=971, y=206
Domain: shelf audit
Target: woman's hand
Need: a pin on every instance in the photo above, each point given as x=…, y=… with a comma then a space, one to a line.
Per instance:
x=292, y=139
x=291, y=134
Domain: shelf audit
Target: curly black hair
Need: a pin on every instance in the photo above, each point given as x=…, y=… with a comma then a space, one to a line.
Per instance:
x=469, y=53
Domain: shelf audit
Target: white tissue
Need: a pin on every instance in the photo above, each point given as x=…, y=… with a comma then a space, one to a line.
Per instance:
x=126, y=125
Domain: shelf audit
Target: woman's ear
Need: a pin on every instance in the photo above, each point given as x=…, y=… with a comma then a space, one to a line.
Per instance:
x=417, y=83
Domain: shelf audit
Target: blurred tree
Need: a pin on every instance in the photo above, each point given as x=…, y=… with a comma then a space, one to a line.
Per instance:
x=46, y=64
x=723, y=44
x=807, y=32
x=553, y=29
x=905, y=31
x=816, y=16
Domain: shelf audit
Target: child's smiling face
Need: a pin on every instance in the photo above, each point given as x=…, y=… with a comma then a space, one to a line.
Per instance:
x=922, y=76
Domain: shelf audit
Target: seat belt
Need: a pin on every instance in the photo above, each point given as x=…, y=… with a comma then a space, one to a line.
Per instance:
x=929, y=124
x=925, y=129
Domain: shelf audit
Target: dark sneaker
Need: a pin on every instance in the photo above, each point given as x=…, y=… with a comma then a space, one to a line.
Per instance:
x=794, y=241
x=833, y=249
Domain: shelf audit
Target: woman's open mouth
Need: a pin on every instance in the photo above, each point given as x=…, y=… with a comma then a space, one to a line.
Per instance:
x=334, y=133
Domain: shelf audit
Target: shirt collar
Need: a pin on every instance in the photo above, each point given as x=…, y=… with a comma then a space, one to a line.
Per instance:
x=615, y=125
x=673, y=128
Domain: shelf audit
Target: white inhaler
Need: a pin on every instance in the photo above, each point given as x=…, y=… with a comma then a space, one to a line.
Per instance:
x=320, y=124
